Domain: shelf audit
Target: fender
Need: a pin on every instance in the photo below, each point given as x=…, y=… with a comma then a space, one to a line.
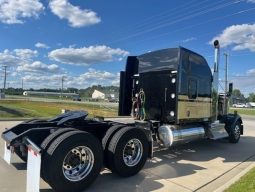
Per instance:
x=230, y=120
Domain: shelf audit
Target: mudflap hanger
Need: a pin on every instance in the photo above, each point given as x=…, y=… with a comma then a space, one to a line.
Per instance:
x=7, y=153
x=33, y=167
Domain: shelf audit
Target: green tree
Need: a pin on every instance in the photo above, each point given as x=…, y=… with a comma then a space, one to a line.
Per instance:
x=251, y=97
x=237, y=93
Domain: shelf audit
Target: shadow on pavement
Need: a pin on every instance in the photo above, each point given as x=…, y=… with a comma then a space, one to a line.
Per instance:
x=46, y=190
x=174, y=163
x=20, y=166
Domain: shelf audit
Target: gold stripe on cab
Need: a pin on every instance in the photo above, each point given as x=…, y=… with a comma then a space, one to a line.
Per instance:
x=194, y=108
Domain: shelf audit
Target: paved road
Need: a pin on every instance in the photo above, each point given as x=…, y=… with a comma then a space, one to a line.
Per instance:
x=200, y=166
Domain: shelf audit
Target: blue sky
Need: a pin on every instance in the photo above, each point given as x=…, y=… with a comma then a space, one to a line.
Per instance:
x=87, y=42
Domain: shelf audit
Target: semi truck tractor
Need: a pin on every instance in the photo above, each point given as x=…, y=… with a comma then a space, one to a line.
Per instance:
x=167, y=97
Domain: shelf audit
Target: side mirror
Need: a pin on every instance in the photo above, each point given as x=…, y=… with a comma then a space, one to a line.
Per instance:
x=230, y=88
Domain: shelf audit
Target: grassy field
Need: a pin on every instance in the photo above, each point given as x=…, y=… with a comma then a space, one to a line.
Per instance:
x=32, y=109
x=243, y=111
x=246, y=183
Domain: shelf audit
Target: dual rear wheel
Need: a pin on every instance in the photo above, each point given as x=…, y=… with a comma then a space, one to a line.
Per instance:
x=73, y=159
x=127, y=151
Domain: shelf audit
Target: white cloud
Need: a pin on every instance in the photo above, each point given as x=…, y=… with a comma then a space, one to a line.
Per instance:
x=76, y=16
x=89, y=78
x=15, y=11
x=41, y=45
x=21, y=64
x=25, y=53
x=189, y=39
x=42, y=81
x=93, y=74
x=87, y=55
x=17, y=56
x=240, y=37
x=245, y=82
x=251, y=1
x=251, y=72
x=8, y=59
x=93, y=77
x=39, y=67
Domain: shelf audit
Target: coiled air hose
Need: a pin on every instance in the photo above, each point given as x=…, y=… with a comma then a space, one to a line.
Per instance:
x=141, y=96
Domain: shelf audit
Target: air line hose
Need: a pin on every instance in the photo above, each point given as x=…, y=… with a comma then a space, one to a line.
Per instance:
x=141, y=96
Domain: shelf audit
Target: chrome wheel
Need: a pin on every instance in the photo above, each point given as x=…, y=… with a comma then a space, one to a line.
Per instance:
x=237, y=131
x=78, y=163
x=132, y=152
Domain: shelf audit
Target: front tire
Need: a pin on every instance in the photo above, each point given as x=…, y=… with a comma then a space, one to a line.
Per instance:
x=128, y=151
x=74, y=162
x=235, y=133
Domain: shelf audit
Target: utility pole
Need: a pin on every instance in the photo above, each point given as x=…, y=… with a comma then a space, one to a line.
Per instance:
x=5, y=74
x=22, y=84
x=226, y=84
x=62, y=80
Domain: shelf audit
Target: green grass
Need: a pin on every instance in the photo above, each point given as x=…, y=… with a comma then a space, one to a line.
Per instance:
x=243, y=111
x=35, y=109
x=245, y=184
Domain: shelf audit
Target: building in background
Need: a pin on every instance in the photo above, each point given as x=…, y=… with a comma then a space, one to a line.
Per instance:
x=250, y=104
x=98, y=95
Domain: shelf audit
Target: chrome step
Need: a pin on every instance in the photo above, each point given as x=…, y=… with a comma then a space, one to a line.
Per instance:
x=217, y=131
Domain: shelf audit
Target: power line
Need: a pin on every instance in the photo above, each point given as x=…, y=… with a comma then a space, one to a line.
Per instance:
x=189, y=12
x=202, y=23
x=179, y=20
x=156, y=17
x=177, y=15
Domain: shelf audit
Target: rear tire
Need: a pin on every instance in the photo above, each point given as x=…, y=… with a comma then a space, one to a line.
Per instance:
x=109, y=134
x=106, y=140
x=48, y=140
x=45, y=145
x=75, y=160
x=128, y=151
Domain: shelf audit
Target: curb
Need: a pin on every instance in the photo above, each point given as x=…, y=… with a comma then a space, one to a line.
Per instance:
x=15, y=119
x=21, y=119
x=235, y=178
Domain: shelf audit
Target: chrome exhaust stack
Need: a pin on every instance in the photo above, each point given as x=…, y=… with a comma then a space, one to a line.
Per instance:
x=171, y=136
x=215, y=84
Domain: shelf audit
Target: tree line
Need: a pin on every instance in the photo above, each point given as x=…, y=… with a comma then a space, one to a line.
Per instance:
x=237, y=93
x=87, y=92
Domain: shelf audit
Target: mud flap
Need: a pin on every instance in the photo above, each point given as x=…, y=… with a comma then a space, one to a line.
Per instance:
x=7, y=153
x=33, y=167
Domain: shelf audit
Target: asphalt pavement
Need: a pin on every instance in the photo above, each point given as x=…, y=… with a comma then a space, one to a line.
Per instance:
x=203, y=165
